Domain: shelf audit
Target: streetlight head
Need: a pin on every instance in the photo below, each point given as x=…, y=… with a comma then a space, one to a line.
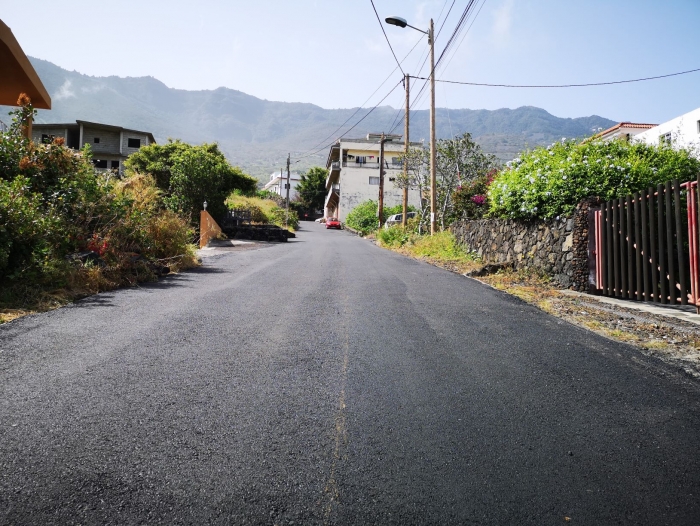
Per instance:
x=396, y=21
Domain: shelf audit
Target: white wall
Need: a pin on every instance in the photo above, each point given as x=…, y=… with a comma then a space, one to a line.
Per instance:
x=684, y=130
x=354, y=181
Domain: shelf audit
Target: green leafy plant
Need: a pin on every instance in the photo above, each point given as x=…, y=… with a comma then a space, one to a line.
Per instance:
x=364, y=218
x=188, y=175
x=551, y=181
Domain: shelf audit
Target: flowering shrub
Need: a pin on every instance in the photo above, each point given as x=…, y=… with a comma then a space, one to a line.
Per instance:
x=471, y=200
x=547, y=182
x=53, y=204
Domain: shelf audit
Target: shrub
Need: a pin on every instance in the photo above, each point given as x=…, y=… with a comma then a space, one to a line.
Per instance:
x=263, y=210
x=189, y=175
x=394, y=236
x=364, y=218
x=548, y=182
x=471, y=200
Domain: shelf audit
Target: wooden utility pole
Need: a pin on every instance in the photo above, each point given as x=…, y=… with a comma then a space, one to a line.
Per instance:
x=380, y=209
x=405, y=159
x=286, y=219
x=433, y=161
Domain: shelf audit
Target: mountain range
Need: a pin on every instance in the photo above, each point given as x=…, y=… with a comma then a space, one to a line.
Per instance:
x=257, y=134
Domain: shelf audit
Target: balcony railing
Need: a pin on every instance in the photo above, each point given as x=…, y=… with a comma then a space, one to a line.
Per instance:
x=335, y=166
x=375, y=166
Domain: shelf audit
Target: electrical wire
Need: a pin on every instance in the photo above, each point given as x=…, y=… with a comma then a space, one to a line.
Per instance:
x=353, y=126
x=583, y=85
x=387, y=38
x=362, y=105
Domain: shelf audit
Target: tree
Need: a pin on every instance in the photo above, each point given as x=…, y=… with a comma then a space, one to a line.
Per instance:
x=312, y=188
x=188, y=175
x=459, y=161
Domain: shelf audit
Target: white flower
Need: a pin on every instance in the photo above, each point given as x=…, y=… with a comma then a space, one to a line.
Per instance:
x=551, y=153
x=564, y=177
x=597, y=160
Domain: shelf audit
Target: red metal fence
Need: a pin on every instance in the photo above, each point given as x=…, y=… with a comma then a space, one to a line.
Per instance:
x=646, y=245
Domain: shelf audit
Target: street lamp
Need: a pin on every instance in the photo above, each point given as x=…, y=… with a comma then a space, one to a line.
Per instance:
x=400, y=22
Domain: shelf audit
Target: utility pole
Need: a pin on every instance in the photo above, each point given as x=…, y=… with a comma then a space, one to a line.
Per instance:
x=286, y=219
x=433, y=185
x=405, y=159
x=380, y=209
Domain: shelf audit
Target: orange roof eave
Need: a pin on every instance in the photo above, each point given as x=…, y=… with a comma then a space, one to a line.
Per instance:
x=18, y=74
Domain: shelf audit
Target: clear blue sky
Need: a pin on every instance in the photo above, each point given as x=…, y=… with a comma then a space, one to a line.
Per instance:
x=332, y=52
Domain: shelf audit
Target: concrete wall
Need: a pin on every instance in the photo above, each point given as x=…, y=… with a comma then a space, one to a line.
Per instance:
x=126, y=135
x=38, y=131
x=109, y=140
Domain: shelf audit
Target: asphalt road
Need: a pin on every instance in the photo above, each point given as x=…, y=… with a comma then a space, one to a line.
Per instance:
x=328, y=381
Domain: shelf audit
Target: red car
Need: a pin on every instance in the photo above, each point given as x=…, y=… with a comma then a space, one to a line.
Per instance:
x=333, y=222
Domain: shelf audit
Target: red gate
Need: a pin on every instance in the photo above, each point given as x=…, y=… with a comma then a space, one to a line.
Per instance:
x=643, y=248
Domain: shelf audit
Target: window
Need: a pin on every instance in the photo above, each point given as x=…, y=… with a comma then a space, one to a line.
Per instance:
x=115, y=165
x=665, y=138
x=698, y=123
x=96, y=140
x=134, y=143
x=374, y=180
x=99, y=163
x=47, y=139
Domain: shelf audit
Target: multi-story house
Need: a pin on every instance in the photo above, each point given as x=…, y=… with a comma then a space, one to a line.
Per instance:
x=353, y=175
x=110, y=145
x=277, y=183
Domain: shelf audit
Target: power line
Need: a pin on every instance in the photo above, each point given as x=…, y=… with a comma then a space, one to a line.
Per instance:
x=387, y=38
x=353, y=126
x=362, y=105
x=587, y=84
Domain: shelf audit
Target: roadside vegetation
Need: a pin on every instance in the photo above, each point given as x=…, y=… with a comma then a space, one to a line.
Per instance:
x=548, y=182
x=264, y=208
x=68, y=231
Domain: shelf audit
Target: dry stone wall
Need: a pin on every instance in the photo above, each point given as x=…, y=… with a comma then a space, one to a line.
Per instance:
x=558, y=247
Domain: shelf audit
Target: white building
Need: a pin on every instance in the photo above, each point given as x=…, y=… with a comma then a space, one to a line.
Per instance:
x=353, y=175
x=278, y=181
x=683, y=132
x=623, y=130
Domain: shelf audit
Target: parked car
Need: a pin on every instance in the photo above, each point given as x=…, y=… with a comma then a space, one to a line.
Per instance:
x=333, y=222
x=396, y=219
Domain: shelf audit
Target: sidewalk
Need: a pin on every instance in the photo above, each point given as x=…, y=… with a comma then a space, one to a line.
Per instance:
x=686, y=313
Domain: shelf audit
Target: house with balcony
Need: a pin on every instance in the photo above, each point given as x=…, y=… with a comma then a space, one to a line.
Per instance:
x=110, y=145
x=277, y=183
x=353, y=175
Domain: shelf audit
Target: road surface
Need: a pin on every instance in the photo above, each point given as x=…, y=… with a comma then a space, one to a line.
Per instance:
x=328, y=381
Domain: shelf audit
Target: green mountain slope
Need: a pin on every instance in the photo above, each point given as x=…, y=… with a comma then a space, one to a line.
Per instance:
x=257, y=134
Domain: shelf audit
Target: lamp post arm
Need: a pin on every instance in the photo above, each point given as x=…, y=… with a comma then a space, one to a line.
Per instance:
x=424, y=32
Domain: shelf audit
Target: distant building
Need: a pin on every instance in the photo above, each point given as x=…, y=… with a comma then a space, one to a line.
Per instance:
x=623, y=130
x=682, y=132
x=353, y=178
x=110, y=145
x=277, y=184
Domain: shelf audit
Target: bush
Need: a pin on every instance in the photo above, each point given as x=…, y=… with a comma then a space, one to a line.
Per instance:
x=364, y=218
x=471, y=200
x=549, y=182
x=189, y=175
x=263, y=210
x=53, y=204
x=394, y=236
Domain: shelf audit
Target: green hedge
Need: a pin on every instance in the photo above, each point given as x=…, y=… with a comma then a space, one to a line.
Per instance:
x=551, y=181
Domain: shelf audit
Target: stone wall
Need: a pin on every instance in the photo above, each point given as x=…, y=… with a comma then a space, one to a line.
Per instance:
x=558, y=247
